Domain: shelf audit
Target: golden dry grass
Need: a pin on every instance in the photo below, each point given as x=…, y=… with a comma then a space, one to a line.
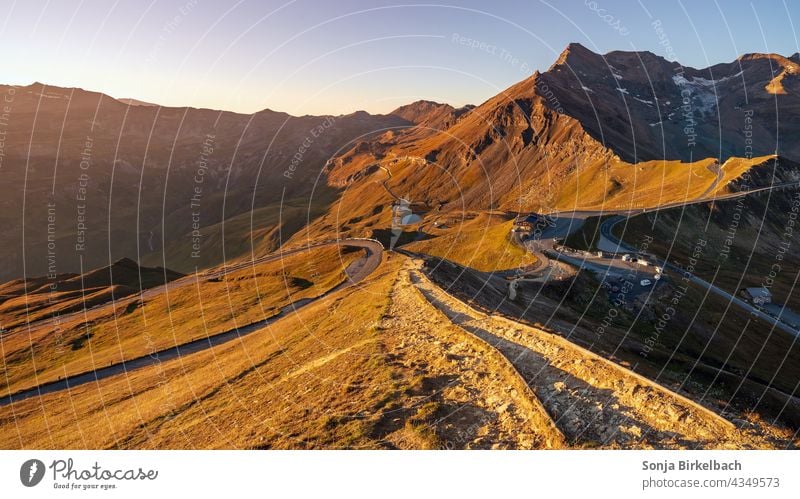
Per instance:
x=351, y=370
x=482, y=243
x=734, y=168
x=300, y=382
x=255, y=233
x=646, y=184
x=201, y=307
x=24, y=301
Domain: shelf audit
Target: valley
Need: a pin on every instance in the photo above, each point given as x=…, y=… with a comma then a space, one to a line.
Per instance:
x=560, y=266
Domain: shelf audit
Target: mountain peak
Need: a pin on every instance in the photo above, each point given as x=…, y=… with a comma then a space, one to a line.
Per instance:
x=126, y=262
x=573, y=54
x=425, y=112
x=576, y=48
x=420, y=105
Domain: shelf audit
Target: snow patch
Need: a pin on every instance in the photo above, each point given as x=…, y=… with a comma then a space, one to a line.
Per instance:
x=615, y=72
x=695, y=82
x=680, y=80
x=703, y=91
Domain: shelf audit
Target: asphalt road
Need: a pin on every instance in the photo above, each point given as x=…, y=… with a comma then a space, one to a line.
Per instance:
x=606, y=233
x=356, y=272
x=564, y=223
x=736, y=301
x=554, y=258
x=607, y=241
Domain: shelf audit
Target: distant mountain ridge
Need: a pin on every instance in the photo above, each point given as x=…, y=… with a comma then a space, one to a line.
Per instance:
x=26, y=300
x=430, y=114
x=619, y=129
x=644, y=107
x=591, y=128
x=155, y=183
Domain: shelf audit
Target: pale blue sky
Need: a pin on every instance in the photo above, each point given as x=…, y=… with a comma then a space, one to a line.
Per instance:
x=317, y=57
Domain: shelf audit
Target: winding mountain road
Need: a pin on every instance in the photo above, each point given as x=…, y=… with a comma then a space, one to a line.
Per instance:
x=608, y=233
x=356, y=272
x=608, y=242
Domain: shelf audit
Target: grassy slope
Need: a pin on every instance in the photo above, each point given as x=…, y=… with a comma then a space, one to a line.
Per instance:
x=622, y=185
x=360, y=208
x=349, y=371
x=483, y=243
x=201, y=308
x=330, y=376
x=68, y=293
x=243, y=236
x=735, y=168
x=733, y=335
x=285, y=386
x=364, y=204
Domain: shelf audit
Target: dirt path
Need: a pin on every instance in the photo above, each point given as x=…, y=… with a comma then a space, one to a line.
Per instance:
x=385, y=182
x=594, y=402
x=466, y=391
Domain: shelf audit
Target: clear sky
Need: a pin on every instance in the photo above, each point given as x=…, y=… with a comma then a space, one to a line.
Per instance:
x=338, y=56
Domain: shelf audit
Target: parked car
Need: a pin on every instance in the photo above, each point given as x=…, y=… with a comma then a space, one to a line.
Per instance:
x=645, y=282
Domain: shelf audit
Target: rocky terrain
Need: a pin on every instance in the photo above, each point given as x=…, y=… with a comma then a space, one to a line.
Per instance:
x=617, y=130
x=426, y=347
x=590, y=129
x=644, y=107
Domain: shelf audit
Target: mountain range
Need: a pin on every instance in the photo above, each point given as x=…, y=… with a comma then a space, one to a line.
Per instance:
x=187, y=188
x=599, y=256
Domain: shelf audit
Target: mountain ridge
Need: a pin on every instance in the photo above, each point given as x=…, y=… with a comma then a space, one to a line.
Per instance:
x=557, y=139
x=586, y=135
